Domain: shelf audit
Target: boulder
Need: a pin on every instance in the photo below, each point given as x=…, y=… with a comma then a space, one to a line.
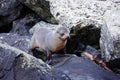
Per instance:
x=16, y=64
x=9, y=11
x=78, y=68
x=22, y=26
x=15, y=40
x=84, y=17
x=110, y=35
x=115, y=1
x=42, y=8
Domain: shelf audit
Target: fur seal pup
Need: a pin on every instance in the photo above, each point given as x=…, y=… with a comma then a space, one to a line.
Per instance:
x=49, y=40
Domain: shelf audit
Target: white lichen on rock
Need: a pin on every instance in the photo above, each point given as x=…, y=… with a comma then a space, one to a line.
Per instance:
x=73, y=12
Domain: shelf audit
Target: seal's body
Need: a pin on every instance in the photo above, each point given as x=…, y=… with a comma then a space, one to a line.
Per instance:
x=50, y=40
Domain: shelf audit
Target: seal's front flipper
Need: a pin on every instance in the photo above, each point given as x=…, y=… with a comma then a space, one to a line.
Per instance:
x=39, y=53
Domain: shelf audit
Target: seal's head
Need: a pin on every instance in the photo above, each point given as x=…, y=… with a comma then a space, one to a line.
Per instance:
x=63, y=33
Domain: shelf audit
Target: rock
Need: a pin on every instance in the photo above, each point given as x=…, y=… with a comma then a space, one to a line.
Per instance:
x=20, y=42
x=16, y=64
x=110, y=39
x=74, y=12
x=9, y=11
x=23, y=25
x=42, y=8
x=94, y=52
x=84, y=17
x=115, y=1
x=79, y=68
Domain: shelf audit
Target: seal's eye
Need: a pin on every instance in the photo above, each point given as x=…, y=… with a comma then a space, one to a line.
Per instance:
x=62, y=34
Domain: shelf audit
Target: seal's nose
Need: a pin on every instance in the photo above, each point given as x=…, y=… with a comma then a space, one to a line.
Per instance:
x=68, y=36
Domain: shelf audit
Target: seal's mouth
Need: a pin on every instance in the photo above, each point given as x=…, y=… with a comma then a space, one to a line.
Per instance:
x=64, y=39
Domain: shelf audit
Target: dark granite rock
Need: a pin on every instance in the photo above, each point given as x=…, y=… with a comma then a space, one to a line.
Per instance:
x=42, y=8
x=23, y=25
x=9, y=11
x=20, y=42
x=79, y=68
x=18, y=65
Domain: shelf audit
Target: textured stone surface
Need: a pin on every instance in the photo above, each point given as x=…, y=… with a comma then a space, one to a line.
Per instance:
x=85, y=17
x=115, y=1
x=110, y=35
x=82, y=12
x=16, y=65
x=9, y=11
x=23, y=25
x=20, y=42
x=79, y=68
x=41, y=7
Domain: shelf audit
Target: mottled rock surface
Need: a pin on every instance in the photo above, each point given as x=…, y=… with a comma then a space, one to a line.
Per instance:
x=115, y=1
x=110, y=35
x=42, y=8
x=23, y=25
x=79, y=68
x=20, y=42
x=82, y=12
x=85, y=17
x=9, y=11
x=16, y=65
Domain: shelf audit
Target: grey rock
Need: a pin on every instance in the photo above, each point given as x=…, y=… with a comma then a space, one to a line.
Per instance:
x=110, y=39
x=9, y=11
x=84, y=17
x=79, y=68
x=93, y=51
x=74, y=12
x=42, y=8
x=23, y=25
x=115, y=1
x=16, y=65
x=20, y=42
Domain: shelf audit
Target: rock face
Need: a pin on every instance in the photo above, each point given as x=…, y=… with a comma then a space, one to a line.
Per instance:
x=42, y=8
x=9, y=11
x=20, y=42
x=110, y=35
x=115, y=1
x=85, y=17
x=16, y=64
x=82, y=69
x=74, y=12
x=22, y=26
